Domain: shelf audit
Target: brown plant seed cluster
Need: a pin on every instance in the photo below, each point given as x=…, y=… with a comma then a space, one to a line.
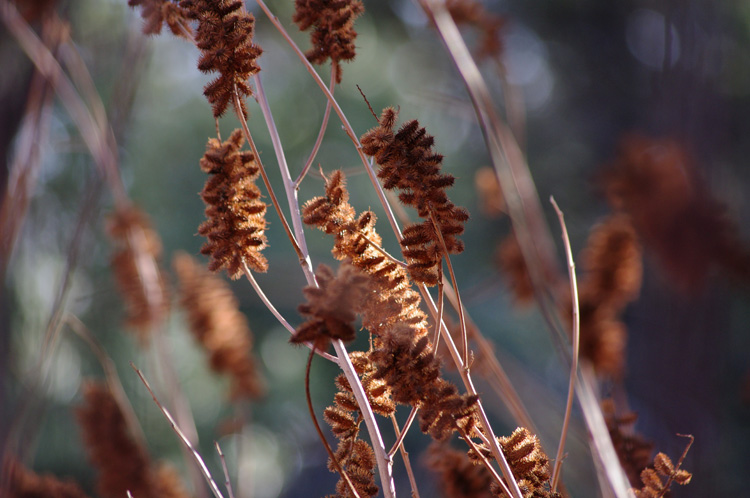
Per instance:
x=135, y=264
x=656, y=183
x=333, y=29
x=236, y=223
x=122, y=464
x=332, y=306
x=156, y=13
x=219, y=326
x=408, y=162
x=24, y=483
x=225, y=38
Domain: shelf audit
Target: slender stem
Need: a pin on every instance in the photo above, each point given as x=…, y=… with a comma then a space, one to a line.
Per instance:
x=321, y=133
x=110, y=373
x=407, y=462
x=279, y=316
x=289, y=187
x=333, y=458
x=402, y=435
x=227, y=481
x=576, y=344
x=486, y=463
x=181, y=435
x=95, y=138
x=266, y=181
x=439, y=319
x=461, y=317
x=382, y=251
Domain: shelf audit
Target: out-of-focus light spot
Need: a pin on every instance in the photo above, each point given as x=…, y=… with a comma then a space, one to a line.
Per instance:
x=260, y=469
x=409, y=13
x=526, y=61
x=282, y=360
x=644, y=34
x=65, y=375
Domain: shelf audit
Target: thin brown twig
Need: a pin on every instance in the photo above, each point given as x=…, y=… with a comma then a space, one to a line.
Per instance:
x=486, y=463
x=331, y=455
x=407, y=462
x=461, y=317
x=321, y=133
x=402, y=434
x=576, y=345
x=181, y=435
x=227, y=481
x=266, y=181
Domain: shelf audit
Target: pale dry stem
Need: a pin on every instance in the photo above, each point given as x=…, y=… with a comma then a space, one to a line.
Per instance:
x=576, y=346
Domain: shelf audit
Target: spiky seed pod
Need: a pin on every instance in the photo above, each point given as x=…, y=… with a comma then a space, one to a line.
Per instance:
x=218, y=325
x=408, y=162
x=156, y=13
x=236, y=223
x=358, y=459
x=24, y=483
x=392, y=301
x=225, y=38
x=527, y=460
x=333, y=29
x=332, y=306
x=135, y=264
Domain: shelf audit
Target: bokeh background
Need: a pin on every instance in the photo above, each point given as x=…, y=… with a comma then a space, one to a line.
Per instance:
x=588, y=72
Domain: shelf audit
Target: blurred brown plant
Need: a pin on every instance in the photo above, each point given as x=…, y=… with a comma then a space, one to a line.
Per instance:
x=219, y=326
x=156, y=13
x=656, y=183
x=24, y=483
x=135, y=264
x=459, y=476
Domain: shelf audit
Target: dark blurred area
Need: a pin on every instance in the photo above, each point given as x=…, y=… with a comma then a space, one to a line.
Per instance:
x=603, y=85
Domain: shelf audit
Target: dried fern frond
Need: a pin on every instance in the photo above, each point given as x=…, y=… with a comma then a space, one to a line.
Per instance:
x=156, y=13
x=225, y=38
x=408, y=162
x=24, y=483
x=333, y=29
x=135, y=264
x=236, y=223
x=332, y=306
x=218, y=325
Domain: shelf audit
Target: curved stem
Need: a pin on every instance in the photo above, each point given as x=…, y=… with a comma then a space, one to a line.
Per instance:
x=266, y=181
x=321, y=133
x=576, y=342
x=402, y=434
x=407, y=462
x=335, y=461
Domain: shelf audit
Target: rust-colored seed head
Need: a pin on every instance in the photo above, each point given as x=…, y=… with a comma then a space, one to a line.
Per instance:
x=236, y=223
x=225, y=38
x=332, y=306
x=24, y=483
x=408, y=162
x=156, y=13
x=333, y=29
x=219, y=326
